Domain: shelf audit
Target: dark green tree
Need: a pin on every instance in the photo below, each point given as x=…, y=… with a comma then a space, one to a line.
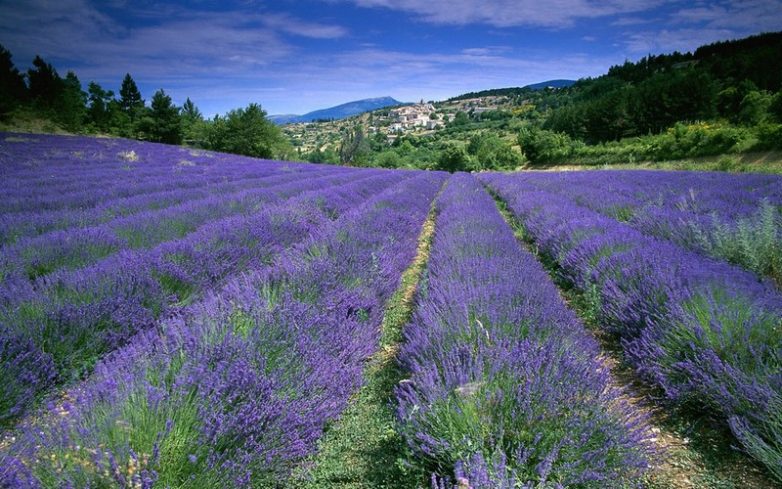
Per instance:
x=98, y=106
x=190, y=112
x=452, y=158
x=460, y=119
x=162, y=122
x=354, y=148
x=775, y=108
x=71, y=107
x=130, y=97
x=194, y=127
x=45, y=84
x=666, y=98
x=13, y=90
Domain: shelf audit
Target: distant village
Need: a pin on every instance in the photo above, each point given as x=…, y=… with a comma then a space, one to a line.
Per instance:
x=390, y=123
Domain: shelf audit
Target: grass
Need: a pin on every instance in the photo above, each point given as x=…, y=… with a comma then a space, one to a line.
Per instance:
x=363, y=449
x=697, y=451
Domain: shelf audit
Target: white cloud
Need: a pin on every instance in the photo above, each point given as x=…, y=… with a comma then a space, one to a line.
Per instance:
x=695, y=25
x=508, y=13
x=169, y=45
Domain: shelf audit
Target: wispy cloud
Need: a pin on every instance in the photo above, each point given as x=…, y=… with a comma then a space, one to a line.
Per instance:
x=691, y=26
x=188, y=43
x=286, y=23
x=508, y=13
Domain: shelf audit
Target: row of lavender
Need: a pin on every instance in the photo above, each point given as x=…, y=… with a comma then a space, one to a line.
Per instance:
x=78, y=173
x=77, y=246
x=706, y=332
x=237, y=390
x=505, y=388
x=55, y=328
x=737, y=218
x=15, y=226
x=34, y=206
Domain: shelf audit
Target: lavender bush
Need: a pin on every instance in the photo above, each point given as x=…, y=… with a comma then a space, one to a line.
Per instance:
x=239, y=387
x=706, y=332
x=505, y=387
x=737, y=218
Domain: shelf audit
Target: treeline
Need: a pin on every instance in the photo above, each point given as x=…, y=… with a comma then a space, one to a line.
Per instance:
x=732, y=80
x=42, y=94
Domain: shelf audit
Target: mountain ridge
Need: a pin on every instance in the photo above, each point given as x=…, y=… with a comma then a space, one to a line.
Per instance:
x=341, y=111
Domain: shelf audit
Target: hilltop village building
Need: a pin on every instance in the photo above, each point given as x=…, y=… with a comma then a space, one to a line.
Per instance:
x=412, y=116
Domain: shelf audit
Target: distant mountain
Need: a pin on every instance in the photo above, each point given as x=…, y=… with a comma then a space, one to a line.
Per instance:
x=551, y=84
x=338, y=112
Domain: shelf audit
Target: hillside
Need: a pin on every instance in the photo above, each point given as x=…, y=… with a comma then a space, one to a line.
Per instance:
x=337, y=112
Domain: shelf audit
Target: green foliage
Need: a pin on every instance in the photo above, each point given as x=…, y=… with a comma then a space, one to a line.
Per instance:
x=453, y=158
x=665, y=98
x=12, y=87
x=72, y=104
x=99, y=105
x=318, y=156
x=45, y=84
x=460, y=119
x=775, y=107
x=354, y=148
x=162, y=122
x=130, y=97
x=540, y=145
x=247, y=132
x=492, y=153
x=762, y=441
x=754, y=107
x=388, y=159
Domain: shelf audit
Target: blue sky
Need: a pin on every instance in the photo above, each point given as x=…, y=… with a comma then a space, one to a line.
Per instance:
x=294, y=56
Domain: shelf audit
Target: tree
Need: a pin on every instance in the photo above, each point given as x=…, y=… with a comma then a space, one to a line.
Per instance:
x=665, y=98
x=12, y=87
x=354, y=148
x=99, y=103
x=247, y=132
x=130, y=97
x=387, y=159
x=190, y=112
x=452, y=159
x=754, y=107
x=162, y=123
x=45, y=84
x=492, y=153
x=71, y=107
x=775, y=108
x=460, y=119
x=194, y=127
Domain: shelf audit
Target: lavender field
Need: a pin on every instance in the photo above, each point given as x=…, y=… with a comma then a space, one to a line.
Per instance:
x=179, y=318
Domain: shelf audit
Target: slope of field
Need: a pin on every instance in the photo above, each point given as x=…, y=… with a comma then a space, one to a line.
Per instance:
x=179, y=318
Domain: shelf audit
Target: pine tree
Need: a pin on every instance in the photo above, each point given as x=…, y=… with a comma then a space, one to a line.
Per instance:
x=45, y=84
x=99, y=104
x=130, y=97
x=71, y=106
x=162, y=123
x=12, y=87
